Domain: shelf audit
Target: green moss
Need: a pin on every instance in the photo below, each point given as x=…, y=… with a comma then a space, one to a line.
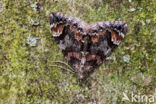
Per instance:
x=26, y=72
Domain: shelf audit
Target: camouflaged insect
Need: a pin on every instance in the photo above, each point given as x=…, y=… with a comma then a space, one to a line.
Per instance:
x=85, y=46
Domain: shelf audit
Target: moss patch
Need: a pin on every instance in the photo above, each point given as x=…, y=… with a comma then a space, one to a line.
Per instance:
x=27, y=52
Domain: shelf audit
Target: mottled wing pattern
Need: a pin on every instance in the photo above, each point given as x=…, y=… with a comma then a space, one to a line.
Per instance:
x=104, y=38
x=68, y=33
x=86, y=47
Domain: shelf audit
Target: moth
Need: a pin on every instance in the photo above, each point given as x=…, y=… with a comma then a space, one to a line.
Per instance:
x=85, y=46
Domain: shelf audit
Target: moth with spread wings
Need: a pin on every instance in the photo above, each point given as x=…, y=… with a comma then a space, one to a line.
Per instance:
x=85, y=46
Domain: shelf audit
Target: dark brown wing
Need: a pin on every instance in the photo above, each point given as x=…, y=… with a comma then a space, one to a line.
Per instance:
x=68, y=33
x=105, y=37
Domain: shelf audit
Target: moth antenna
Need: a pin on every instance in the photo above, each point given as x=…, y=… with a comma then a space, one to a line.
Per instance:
x=62, y=68
x=60, y=62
